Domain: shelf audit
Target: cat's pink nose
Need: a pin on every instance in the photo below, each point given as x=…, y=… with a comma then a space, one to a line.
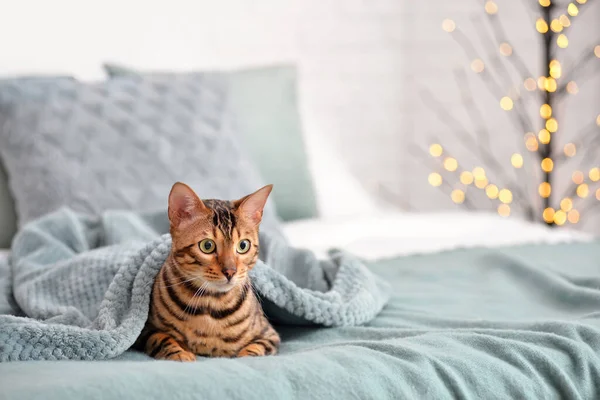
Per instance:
x=229, y=272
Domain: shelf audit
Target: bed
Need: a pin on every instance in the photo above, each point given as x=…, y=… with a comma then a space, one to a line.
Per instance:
x=508, y=318
x=480, y=306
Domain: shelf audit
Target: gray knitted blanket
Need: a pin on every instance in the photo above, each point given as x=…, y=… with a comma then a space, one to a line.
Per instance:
x=84, y=285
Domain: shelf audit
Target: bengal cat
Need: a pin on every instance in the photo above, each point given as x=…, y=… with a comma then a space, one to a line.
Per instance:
x=202, y=300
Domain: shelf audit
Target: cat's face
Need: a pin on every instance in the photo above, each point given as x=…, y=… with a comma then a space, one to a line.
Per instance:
x=215, y=242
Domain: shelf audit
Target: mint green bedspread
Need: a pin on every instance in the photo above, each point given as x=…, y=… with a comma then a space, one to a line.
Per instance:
x=512, y=323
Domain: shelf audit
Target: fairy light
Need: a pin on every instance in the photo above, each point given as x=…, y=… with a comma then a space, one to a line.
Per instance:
x=560, y=217
x=541, y=25
x=547, y=165
x=583, y=190
x=544, y=136
x=566, y=204
x=545, y=111
x=466, y=177
x=573, y=216
x=552, y=125
x=577, y=177
x=570, y=150
x=556, y=26
x=516, y=160
x=572, y=10
x=598, y=120
x=504, y=210
x=477, y=66
x=435, y=179
x=531, y=142
x=491, y=7
x=564, y=21
x=594, y=174
x=478, y=173
x=545, y=3
x=548, y=215
x=436, y=150
x=597, y=51
x=582, y=1
x=545, y=189
x=550, y=84
x=450, y=164
x=530, y=84
x=506, y=49
x=505, y=196
x=597, y=194
x=457, y=196
x=562, y=41
x=481, y=183
x=506, y=103
x=491, y=191
x=448, y=25
x=572, y=88
x=555, y=69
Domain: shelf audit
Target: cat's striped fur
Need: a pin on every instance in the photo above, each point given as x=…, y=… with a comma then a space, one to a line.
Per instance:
x=204, y=304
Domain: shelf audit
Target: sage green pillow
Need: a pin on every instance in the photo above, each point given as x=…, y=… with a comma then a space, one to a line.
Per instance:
x=264, y=101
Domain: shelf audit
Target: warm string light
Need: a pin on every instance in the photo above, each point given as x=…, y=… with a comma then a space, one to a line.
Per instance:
x=545, y=3
x=530, y=84
x=491, y=7
x=583, y=190
x=544, y=136
x=506, y=49
x=541, y=25
x=547, y=165
x=436, y=150
x=477, y=66
x=545, y=111
x=570, y=150
x=552, y=125
x=435, y=179
x=556, y=26
x=573, y=10
x=448, y=25
x=477, y=176
x=564, y=21
x=572, y=88
x=531, y=142
x=555, y=69
x=516, y=160
x=545, y=189
x=506, y=103
x=562, y=41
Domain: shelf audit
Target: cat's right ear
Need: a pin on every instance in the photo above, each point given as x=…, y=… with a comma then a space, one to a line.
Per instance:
x=184, y=205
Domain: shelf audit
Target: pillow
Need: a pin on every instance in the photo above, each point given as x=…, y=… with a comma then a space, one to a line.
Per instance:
x=8, y=217
x=121, y=144
x=264, y=101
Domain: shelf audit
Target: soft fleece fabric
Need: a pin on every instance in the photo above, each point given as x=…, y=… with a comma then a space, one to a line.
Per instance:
x=85, y=285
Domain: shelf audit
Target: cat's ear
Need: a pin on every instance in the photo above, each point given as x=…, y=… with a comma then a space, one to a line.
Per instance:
x=251, y=207
x=184, y=205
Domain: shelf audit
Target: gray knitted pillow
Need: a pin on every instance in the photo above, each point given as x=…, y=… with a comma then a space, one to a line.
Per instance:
x=120, y=144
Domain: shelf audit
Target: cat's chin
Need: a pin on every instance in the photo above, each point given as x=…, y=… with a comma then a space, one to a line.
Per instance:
x=222, y=287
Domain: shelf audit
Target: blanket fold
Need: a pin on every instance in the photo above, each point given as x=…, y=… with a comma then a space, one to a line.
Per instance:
x=84, y=284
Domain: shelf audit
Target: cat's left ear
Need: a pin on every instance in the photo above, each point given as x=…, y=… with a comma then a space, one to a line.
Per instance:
x=251, y=206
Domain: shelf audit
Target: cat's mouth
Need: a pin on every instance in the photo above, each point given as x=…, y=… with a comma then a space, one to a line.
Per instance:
x=222, y=286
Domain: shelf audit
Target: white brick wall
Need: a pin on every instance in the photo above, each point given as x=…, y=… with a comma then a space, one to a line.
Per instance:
x=362, y=63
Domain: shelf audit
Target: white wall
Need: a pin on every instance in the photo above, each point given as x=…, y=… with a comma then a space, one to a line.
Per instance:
x=362, y=62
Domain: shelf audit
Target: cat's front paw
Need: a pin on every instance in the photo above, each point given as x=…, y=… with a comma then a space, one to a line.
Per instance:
x=181, y=356
x=252, y=350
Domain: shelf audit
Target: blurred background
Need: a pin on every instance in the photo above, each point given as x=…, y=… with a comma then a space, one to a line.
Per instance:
x=419, y=106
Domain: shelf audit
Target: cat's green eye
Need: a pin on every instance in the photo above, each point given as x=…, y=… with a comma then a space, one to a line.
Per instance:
x=207, y=246
x=243, y=246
